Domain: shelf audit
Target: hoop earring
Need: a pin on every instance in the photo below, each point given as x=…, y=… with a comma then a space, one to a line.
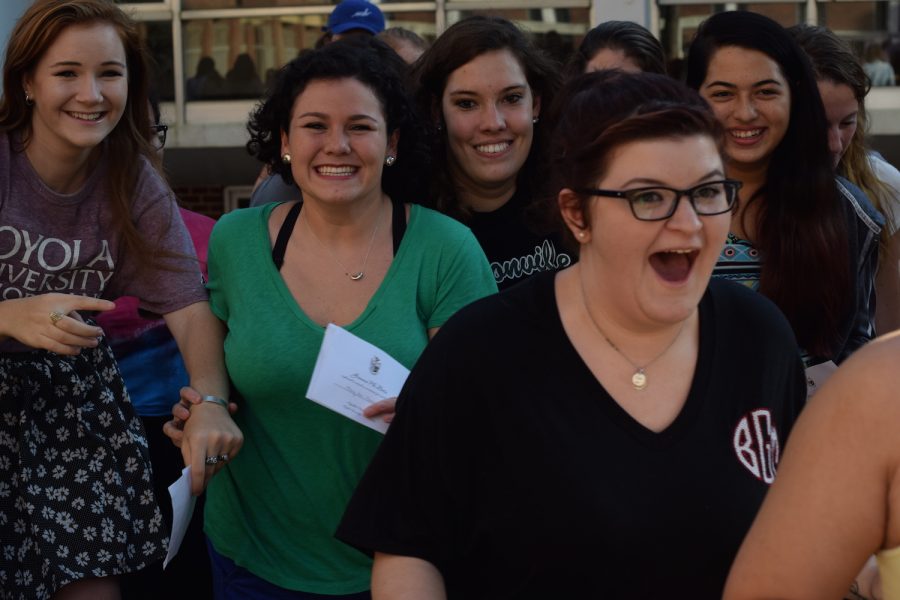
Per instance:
x=29, y=101
x=390, y=160
x=286, y=158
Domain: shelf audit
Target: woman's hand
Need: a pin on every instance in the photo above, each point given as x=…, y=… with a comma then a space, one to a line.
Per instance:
x=203, y=430
x=384, y=408
x=50, y=322
x=181, y=412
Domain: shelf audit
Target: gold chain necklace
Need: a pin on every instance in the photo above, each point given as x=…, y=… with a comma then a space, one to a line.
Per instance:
x=358, y=274
x=639, y=377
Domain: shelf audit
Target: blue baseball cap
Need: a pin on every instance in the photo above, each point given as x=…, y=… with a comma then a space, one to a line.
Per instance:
x=355, y=14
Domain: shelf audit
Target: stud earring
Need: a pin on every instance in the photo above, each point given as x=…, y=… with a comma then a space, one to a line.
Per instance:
x=535, y=120
x=286, y=158
x=390, y=160
x=29, y=101
x=439, y=126
x=581, y=235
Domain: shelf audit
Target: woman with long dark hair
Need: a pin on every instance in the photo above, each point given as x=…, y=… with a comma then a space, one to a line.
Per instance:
x=806, y=241
x=482, y=85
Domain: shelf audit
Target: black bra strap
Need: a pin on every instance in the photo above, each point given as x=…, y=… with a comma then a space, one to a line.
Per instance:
x=398, y=224
x=398, y=228
x=284, y=234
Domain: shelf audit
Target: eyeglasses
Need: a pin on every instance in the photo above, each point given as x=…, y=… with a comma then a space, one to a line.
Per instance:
x=159, y=132
x=659, y=203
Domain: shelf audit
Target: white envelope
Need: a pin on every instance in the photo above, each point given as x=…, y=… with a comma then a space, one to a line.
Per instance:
x=182, y=510
x=350, y=374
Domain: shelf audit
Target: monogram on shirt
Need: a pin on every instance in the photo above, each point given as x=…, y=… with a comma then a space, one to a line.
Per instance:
x=756, y=444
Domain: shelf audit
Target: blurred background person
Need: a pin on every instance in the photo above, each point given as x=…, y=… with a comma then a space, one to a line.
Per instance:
x=243, y=81
x=618, y=45
x=206, y=82
x=352, y=18
x=843, y=86
x=876, y=65
x=408, y=44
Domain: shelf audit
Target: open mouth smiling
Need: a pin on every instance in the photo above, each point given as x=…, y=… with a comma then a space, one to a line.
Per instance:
x=674, y=265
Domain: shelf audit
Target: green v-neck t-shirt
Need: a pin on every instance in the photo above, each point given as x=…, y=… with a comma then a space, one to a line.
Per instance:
x=274, y=509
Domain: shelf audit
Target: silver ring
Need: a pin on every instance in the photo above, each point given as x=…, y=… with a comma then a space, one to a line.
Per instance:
x=212, y=460
x=223, y=457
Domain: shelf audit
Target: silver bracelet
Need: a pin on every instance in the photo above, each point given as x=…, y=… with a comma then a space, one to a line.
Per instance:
x=216, y=400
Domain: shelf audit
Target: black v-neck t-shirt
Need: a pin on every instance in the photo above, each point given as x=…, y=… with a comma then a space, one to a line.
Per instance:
x=510, y=467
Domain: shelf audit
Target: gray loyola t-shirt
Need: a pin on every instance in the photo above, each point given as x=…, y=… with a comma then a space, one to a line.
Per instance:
x=68, y=243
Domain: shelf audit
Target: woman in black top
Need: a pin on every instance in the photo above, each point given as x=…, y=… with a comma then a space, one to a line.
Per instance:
x=593, y=432
x=483, y=82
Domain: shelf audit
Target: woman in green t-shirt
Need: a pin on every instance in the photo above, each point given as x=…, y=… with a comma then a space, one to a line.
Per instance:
x=353, y=253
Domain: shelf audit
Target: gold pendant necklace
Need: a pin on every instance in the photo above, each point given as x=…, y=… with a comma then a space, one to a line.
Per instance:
x=639, y=377
x=356, y=276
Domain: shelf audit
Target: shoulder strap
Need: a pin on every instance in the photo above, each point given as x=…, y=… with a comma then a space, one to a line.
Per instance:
x=398, y=224
x=284, y=234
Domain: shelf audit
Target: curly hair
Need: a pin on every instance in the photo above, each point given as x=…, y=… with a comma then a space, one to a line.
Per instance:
x=635, y=41
x=598, y=112
x=802, y=224
x=372, y=63
x=461, y=43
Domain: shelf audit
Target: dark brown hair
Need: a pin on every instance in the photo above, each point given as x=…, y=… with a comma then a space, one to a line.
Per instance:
x=461, y=43
x=635, y=41
x=598, y=112
x=802, y=226
x=374, y=64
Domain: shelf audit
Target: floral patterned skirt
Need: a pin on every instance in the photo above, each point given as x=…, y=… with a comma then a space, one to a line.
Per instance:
x=76, y=494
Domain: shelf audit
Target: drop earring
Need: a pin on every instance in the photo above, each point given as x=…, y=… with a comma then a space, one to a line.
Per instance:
x=286, y=158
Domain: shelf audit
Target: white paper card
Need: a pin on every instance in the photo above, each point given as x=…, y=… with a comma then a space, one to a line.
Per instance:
x=817, y=375
x=182, y=510
x=350, y=374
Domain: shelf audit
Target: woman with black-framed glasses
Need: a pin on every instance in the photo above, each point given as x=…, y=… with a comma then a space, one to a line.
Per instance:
x=594, y=432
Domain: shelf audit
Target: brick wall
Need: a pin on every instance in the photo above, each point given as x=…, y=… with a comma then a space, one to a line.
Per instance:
x=205, y=200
